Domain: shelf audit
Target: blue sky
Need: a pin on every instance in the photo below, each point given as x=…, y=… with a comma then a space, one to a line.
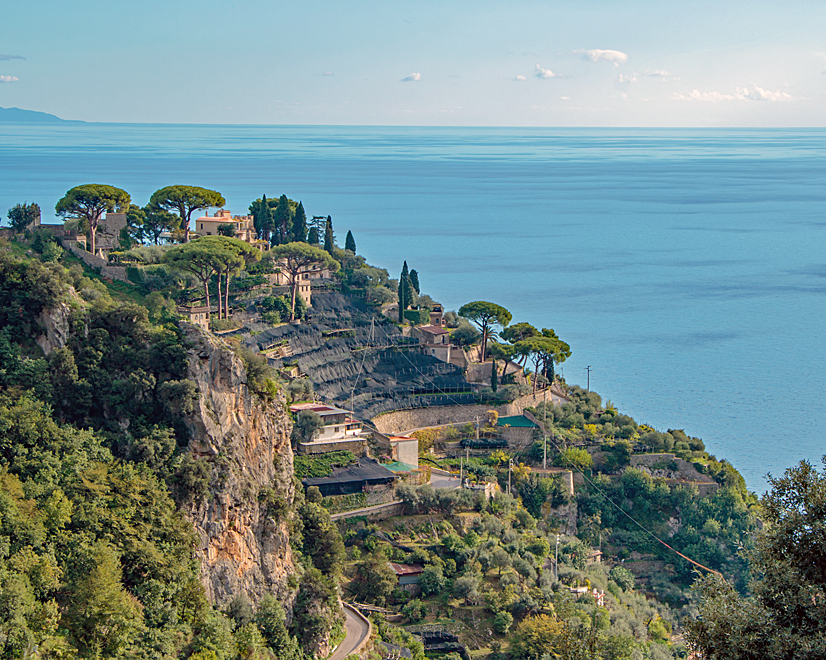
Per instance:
x=585, y=63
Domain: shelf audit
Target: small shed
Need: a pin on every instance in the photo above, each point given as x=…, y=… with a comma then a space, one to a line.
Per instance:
x=406, y=574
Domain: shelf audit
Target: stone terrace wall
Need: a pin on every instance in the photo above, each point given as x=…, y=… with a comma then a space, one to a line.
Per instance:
x=99, y=264
x=405, y=420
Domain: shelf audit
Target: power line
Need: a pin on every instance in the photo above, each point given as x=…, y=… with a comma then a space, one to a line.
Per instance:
x=627, y=515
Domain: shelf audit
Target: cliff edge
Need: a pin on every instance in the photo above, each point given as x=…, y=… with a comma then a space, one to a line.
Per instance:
x=246, y=445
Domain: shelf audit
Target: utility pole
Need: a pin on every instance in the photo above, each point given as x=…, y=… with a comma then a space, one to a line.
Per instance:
x=556, y=561
x=544, y=430
x=588, y=369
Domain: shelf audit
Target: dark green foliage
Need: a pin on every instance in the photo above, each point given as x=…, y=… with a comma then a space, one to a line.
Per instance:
x=374, y=580
x=262, y=212
x=227, y=229
x=271, y=621
x=26, y=289
x=24, y=216
x=321, y=465
x=465, y=335
x=307, y=424
x=312, y=236
x=329, y=237
x=316, y=607
x=107, y=532
x=282, y=221
x=321, y=539
x=350, y=242
x=784, y=617
x=494, y=377
x=414, y=281
x=299, y=227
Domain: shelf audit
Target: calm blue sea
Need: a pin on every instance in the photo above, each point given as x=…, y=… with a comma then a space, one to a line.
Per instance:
x=687, y=268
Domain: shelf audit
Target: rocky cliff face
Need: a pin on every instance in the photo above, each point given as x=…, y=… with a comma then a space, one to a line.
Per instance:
x=242, y=549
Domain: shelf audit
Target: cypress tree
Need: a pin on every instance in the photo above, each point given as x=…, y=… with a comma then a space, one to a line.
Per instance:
x=283, y=221
x=300, y=224
x=404, y=299
x=414, y=280
x=494, y=378
x=312, y=236
x=350, y=242
x=329, y=238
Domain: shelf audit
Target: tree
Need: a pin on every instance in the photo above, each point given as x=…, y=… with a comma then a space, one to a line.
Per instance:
x=432, y=580
x=261, y=211
x=148, y=223
x=414, y=281
x=350, y=242
x=282, y=221
x=405, y=292
x=240, y=254
x=502, y=352
x=312, y=236
x=88, y=203
x=293, y=257
x=306, y=426
x=785, y=615
x=494, y=380
x=329, y=237
x=227, y=229
x=103, y=616
x=485, y=315
x=185, y=200
x=544, y=350
x=299, y=233
x=24, y=216
x=201, y=258
x=374, y=580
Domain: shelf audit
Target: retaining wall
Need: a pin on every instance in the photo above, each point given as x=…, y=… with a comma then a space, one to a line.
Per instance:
x=98, y=263
x=404, y=420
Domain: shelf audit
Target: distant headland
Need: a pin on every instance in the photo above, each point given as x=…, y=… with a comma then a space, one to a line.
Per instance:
x=31, y=117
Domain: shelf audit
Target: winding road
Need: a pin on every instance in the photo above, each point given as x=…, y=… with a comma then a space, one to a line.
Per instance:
x=358, y=632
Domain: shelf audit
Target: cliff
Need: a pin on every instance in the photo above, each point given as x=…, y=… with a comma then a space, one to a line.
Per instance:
x=245, y=441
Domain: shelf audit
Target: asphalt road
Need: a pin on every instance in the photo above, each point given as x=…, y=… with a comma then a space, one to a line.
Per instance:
x=357, y=631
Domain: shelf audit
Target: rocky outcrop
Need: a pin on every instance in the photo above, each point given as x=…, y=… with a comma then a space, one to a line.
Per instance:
x=243, y=549
x=56, y=323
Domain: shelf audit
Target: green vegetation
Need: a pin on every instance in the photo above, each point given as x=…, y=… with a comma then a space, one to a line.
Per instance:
x=321, y=465
x=95, y=557
x=88, y=203
x=185, y=200
x=23, y=216
x=485, y=315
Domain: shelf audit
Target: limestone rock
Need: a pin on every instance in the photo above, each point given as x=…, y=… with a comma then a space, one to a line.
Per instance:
x=242, y=549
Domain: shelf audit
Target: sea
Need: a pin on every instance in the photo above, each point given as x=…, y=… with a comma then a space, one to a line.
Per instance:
x=685, y=267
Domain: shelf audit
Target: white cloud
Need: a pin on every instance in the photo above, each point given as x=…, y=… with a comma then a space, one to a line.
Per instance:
x=520, y=77
x=413, y=77
x=4, y=79
x=741, y=94
x=544, y=73
x=626, y=79
x=599, y=55
x=327, y=73
x=565, y=98
x=657, y=73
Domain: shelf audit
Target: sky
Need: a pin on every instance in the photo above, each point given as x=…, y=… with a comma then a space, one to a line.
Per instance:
x=448, y=62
